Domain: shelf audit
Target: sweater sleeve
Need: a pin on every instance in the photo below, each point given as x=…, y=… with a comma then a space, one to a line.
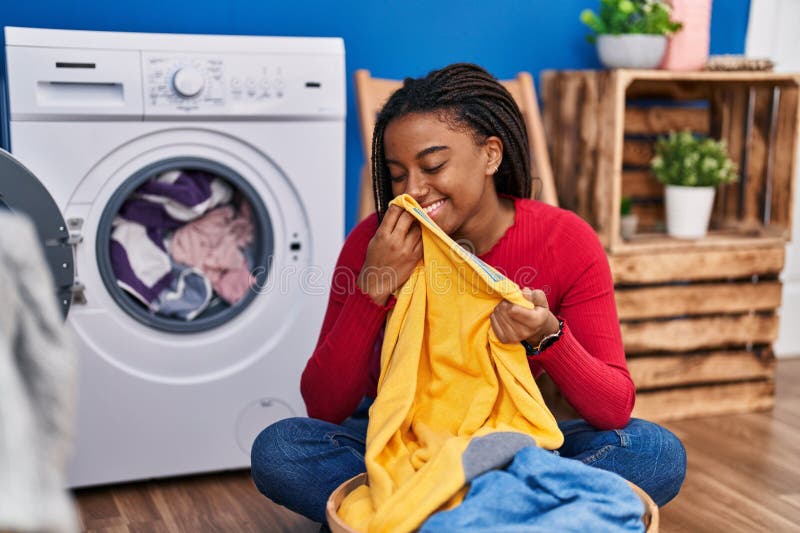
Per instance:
x=588, y=362
x=336, y=377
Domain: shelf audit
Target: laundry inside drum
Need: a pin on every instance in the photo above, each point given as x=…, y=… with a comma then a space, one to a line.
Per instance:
x=186, y=248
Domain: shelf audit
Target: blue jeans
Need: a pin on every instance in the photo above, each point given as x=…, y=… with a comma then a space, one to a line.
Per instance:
x=299, y=462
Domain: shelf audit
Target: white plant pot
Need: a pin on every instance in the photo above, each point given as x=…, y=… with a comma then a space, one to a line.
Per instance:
x=628, y=225
x=633, y=50
x=688, y=210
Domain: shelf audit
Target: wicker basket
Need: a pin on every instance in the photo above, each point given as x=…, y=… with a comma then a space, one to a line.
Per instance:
x=650, y=517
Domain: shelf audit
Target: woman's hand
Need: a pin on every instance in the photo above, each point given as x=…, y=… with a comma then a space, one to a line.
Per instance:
x=392, y=254
x=513, y=323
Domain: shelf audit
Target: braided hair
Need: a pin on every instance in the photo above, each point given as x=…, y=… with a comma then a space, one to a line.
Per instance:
x=466, y=97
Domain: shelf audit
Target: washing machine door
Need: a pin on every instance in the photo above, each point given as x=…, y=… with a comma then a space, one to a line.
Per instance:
x=21, y=192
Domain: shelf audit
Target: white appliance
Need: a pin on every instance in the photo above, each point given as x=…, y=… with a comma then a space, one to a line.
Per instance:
x=95, y=114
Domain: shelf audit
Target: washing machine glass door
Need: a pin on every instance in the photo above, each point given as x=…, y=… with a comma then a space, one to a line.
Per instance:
x=182, y=243
x=21, y=192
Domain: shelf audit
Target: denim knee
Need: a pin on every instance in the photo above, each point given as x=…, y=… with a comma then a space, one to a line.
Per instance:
x=299, y=462
x=271, y=451
x=663, y=454
x=642, y=452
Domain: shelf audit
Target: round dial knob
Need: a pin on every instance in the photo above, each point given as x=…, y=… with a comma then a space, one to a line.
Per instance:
x=188, y=81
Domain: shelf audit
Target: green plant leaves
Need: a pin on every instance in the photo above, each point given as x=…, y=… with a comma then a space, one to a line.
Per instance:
x=681, y=158
x=617, y=17
x=625, y=206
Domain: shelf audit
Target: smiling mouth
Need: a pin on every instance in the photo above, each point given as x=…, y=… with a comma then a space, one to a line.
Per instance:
x=434, y=207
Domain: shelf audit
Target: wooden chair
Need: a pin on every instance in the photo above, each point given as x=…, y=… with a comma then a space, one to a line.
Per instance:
x=372, y=93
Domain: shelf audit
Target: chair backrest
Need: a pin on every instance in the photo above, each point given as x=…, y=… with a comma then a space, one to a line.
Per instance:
x=372, y=93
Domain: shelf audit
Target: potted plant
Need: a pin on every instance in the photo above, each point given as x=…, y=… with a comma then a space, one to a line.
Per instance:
x=691, y=167
x=628, y=221
x=630, y=33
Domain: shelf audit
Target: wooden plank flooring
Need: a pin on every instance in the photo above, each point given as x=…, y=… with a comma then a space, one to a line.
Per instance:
x=743, y=475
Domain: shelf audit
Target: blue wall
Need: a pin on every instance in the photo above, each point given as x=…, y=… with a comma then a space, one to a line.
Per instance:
x=391, y=38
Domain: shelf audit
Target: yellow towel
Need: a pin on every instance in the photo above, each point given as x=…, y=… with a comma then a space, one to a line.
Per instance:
x=446, y=381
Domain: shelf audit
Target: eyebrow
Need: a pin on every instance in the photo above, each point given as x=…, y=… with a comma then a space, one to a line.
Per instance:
x=423, y=153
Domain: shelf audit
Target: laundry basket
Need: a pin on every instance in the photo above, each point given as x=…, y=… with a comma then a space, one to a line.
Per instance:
x=650, y=517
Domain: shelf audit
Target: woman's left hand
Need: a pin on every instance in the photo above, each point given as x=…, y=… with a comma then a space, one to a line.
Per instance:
x=513, y=323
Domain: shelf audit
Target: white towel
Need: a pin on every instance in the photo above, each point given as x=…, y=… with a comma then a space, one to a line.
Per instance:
x=37, y=388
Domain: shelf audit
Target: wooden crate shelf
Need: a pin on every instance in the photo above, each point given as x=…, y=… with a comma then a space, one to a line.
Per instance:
x=698, y=324
x=601, y=126
x=698, y=317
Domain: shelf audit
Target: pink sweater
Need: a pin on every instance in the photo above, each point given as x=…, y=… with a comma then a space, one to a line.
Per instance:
x=546, y=248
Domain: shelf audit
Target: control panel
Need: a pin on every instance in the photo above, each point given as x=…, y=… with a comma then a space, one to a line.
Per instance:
x=183, y=82
x=74, y=75
x=252, y=85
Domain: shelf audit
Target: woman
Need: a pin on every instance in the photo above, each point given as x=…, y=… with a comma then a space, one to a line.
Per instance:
x=456, y=142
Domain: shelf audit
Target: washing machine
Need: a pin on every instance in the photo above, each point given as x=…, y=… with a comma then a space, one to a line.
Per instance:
x=96, y=116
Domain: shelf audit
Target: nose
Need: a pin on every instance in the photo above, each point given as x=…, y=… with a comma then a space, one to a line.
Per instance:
x=416, y=185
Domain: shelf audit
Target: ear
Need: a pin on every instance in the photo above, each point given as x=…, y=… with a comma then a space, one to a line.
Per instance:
x=493, y=148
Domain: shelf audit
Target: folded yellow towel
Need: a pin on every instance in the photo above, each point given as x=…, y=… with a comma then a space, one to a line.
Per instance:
x=453, y=401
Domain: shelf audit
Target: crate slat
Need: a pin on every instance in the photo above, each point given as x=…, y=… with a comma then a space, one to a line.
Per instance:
x=691, y=77
x=587, y=139
x=733, y=113
x=548, y=85
x=661, y=120
x=689, y=334
x=705, y=400
x=721, y=102
x=637, y=152
x=675, y=90
x=607, y=187
x=660, y=371
x=732, y=237
x=641, y=184
x=569, y=92
x=784, y=163
x=699, y=265
x=697, y=299
x=752, y=189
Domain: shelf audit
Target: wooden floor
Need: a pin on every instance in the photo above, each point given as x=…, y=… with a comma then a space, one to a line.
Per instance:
x=743, y=475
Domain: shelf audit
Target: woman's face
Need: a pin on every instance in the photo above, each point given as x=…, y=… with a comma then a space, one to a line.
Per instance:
x=443, y=169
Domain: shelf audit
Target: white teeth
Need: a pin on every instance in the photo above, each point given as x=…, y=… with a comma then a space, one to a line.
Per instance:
x=433, y=206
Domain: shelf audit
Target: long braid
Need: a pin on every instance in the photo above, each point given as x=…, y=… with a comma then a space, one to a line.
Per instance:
x=467, y=96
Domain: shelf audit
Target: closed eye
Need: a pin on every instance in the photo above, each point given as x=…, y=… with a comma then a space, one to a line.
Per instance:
x=435, y=169
x=428, y=170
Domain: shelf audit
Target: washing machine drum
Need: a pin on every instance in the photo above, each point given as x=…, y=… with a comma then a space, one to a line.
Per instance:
x=21, y=192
